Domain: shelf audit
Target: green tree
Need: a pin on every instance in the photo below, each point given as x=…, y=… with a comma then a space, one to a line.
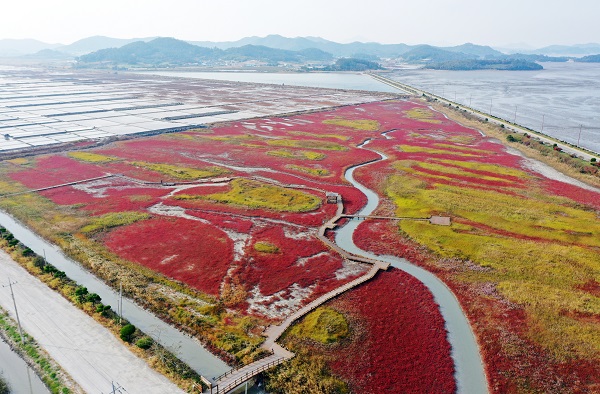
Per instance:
x=144, y=343
x=127, y=332
x=93, y=298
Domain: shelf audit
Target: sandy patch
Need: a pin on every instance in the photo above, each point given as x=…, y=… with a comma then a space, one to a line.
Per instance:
x=280, y=304
x=301, y=262
x=98, y=188
x=304, y=234
x=349, y=269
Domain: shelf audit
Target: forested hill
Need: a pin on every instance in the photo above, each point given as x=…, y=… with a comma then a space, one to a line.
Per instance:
x=473, y=64
x=175, y=52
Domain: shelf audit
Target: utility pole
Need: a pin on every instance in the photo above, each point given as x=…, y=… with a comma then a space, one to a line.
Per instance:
x=515, y=118
x=120, y=302
x=12, y=294
x=116, y=388
x=579, y=138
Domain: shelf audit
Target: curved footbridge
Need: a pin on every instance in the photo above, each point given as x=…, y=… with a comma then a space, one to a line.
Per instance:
x=278, y=354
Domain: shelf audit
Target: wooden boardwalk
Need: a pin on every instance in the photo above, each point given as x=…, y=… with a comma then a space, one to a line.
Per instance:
x=236, y=377
x=363, y=217
x=274, y=332
x=124, y=177
x=60, y=185
x=438, y=220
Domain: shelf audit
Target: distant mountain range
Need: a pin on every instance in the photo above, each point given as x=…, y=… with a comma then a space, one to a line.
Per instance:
x=568, y=50
x=96, y=43
x=274, y=48
x=14, y=47
x=176, y=52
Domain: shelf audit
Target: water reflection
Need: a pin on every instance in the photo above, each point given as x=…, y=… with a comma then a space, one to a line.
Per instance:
x=19, y=376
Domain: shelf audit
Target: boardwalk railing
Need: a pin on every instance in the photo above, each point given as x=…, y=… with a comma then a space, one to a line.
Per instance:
x=251, y=373
x=233, y=370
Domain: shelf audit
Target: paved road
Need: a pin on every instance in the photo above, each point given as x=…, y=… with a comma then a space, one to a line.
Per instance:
x=87, y=351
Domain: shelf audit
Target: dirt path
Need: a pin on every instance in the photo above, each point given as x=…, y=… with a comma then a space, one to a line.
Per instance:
x=87, y=351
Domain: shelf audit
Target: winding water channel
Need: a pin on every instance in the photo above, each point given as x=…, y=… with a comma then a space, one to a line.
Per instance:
x=469, y=371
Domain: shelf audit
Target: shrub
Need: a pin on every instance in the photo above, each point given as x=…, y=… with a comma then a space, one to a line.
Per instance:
x=4, y=387
x=144, y=343
x=39, y=262
x=104, y=310
x=60, y=274
x=80, y=293
x=93, y=298
x=27, y=252
x=49, y=269
x=127, y=332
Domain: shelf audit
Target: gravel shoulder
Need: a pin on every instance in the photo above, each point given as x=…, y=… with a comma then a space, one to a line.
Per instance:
x=87, y=351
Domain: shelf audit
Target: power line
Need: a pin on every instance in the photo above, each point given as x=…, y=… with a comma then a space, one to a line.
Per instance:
x=117, y=388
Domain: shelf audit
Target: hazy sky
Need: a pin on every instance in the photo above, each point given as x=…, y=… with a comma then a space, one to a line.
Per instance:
x=442, y=22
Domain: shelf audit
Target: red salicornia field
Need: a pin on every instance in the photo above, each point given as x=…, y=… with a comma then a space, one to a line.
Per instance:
x=230, y=215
